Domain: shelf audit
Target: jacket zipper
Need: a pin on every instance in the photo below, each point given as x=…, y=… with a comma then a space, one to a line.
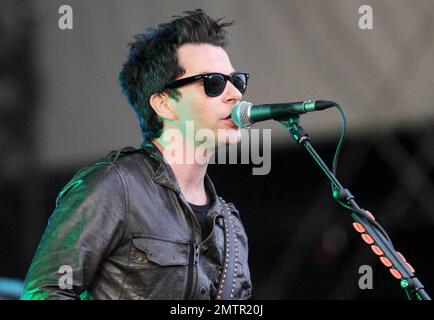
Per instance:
x=194, y=261
x=194, y=256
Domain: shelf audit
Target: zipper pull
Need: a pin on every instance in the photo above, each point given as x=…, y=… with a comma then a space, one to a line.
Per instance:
x=196, y=249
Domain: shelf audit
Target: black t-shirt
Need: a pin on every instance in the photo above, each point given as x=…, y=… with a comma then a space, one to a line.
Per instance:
x=200, y=212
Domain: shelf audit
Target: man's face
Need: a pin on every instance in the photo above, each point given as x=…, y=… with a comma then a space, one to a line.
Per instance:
x=194, y=105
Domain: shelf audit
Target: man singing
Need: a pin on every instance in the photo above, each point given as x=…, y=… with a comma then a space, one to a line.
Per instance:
x=141, y=223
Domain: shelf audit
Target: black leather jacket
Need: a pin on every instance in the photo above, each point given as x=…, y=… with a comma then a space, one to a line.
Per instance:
x=126, y=231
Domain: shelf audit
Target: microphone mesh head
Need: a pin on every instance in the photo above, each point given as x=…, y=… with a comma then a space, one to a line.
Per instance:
x=240, y=114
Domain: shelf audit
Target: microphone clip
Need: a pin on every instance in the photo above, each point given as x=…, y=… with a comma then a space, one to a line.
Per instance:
x=296, y=131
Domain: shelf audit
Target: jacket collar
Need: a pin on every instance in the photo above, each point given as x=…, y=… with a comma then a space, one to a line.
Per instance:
x=163, y=175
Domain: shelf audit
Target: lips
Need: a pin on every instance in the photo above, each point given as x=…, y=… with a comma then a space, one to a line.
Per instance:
x=228, y=122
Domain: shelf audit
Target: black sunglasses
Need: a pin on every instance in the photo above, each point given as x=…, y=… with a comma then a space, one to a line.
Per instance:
x=214, y=83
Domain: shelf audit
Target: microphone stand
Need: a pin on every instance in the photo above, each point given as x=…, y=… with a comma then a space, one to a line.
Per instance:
x=371, y=232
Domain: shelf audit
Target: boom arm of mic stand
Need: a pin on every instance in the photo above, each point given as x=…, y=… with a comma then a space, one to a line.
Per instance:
x=399, y=267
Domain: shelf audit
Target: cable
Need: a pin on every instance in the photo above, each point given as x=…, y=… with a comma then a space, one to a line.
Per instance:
x=341, y=138
x=334, y=170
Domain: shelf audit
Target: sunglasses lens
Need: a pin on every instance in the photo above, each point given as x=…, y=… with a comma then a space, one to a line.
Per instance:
x=240, y=82
x=214, y=85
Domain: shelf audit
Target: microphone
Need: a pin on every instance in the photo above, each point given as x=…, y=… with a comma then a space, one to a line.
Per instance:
x=244, y=114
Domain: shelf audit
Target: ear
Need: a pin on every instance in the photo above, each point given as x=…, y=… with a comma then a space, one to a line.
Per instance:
x=160, y=103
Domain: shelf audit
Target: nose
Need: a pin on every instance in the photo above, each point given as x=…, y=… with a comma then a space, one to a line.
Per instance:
x=232, y=94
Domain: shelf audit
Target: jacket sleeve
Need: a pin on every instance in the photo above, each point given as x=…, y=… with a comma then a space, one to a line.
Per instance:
x=86, y=225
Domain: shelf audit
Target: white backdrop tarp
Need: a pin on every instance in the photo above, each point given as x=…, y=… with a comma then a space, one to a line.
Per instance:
x=294, y=50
